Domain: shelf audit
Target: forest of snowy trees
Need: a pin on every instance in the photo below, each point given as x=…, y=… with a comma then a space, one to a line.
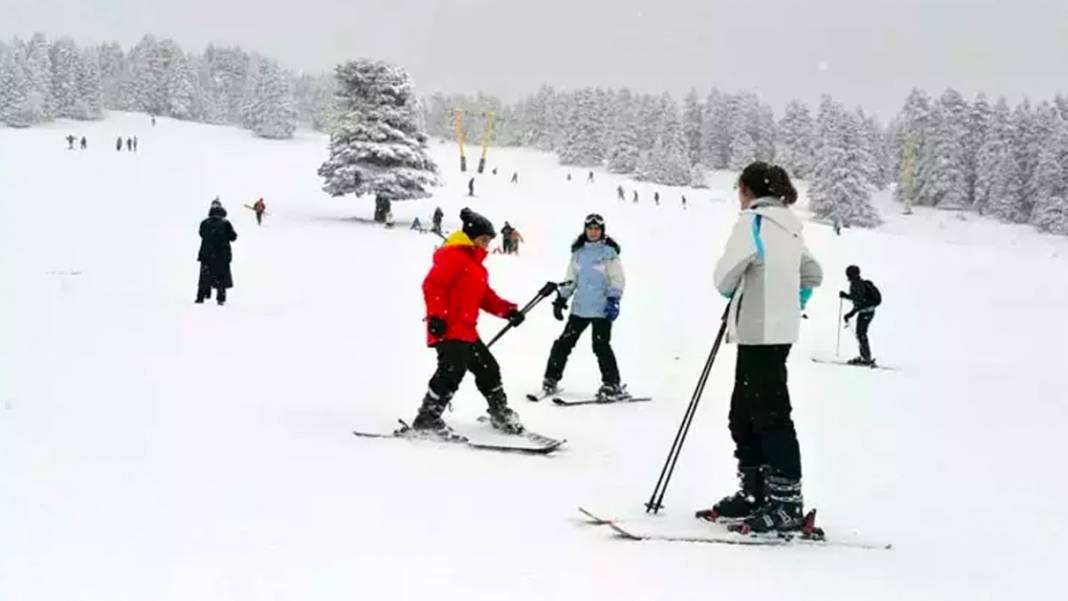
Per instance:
x=41, y=80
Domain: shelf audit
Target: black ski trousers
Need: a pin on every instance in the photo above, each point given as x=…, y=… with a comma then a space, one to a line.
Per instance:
x=455, y=359
x=863, y=322
x=602, y=348
x=759, y=418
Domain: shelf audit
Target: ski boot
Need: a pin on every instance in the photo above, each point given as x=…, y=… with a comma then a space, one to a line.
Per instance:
x=549, y=387
x=502, y=417
x=783, y=512
x=742, y=504
x=612, y=393
x=428, y=422
x=860, y=361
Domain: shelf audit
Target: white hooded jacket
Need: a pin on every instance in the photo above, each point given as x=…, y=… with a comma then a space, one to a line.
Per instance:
x=766, y=269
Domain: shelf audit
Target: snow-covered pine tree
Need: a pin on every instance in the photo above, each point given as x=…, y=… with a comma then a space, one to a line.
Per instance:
x=911, y=147
x=90, y=89
x=623, y=152
x=874, y=140
x=64, y=57
x=797, y=145
x=994, y=160
x=583, y=145
x=375, y=145
x=667, y=162
x=37, y=68
x=978, y=123
x=763, y=130
x=945, y=164
x=182, y=87
x=112, y=62
x=271, y=105
x=312, y=95
x=1051, y=181
x=715, y=137
x=692, y=125
x=650, y=115
x=14, y=90
x=742, y=143
x=698, y=177
x=839, y=188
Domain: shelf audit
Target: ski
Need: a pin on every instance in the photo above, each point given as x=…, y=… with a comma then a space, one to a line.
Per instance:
x=848, y=364
x=661, y=528
x=566, y=403
x=540, y=444
x=541, y=395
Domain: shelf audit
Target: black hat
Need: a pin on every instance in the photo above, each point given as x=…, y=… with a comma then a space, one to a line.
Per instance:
x=476, y=225
x=852, y=272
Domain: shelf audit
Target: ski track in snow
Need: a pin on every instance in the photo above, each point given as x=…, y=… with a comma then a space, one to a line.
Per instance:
x=154, y=449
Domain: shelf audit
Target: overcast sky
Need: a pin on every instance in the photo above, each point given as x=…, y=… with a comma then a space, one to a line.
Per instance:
x=868, y=52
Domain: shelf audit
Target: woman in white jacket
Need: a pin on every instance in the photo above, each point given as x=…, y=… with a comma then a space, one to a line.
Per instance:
x=768, y=274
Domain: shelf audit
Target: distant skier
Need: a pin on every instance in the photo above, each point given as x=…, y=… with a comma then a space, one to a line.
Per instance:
x=568, y=176
x=118, y=144
x=589, y=178
x=506, y=238
x=765, y=269
x=866, y=297
x=129, y=144
x=471, y=187
x=455, y=289
x=153, y=120
x=216, y=234
x=85, y=143
x=70, y=142
x=417, y=226
x=515, y=177
x=595, y=276
x=683, y=202
x=635, y=197
x=259, y=208
x=436, y=221
x=620, y=194
x=494, y=171
x=135, y=143
x=517, y=238
x=656, y=198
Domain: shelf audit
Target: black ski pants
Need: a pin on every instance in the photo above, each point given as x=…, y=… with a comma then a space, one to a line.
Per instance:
x=455, y=359
x=602, y=348
x=759, y=418
x=863, y=322
x=205, y=283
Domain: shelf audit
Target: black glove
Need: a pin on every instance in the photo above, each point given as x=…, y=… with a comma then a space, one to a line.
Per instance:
x=515, y=318
x=843, y=294
x=558, y=308
x=547, y=289
x=435, y=326
x=848, y=316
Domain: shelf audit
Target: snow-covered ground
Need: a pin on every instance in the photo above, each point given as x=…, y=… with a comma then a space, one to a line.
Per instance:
x=153, y=449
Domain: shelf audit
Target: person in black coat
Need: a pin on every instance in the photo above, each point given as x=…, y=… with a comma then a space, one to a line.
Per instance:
x=216, y=234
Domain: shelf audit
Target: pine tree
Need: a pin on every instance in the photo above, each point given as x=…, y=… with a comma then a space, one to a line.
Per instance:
x=37, y=67
x=271, y=105
x=742, y=144
x=90, y=89
x=1051, y=181
x=64, y=57
x=624, y=154
x=797, y=145
x=839, y=188
x=692, y=125
x=112, y=65
x=978, y=125
x=375, y=146
x=14, y=90
x=182, y=85
x=910, y=147
x=715, y=137
x=583, y=144
x=763, y=130
x=698, y=178
x=994, y=155
x=945, y=165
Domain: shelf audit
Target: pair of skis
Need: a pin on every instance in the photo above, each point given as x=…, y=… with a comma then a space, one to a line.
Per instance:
x=667, y=529
x=526, y=442
x=535, y=397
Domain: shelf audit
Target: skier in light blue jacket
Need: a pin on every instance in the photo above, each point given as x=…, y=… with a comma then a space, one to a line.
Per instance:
x=596, y=281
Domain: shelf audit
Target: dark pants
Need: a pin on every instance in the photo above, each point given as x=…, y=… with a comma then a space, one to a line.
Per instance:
x=259, y=217
x=208, y=281
x=759, y=418
x=455, y=359
x=863, y=321
x=602, y=347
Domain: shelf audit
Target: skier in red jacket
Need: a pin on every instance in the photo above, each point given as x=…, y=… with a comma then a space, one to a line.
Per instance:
x=455, y=289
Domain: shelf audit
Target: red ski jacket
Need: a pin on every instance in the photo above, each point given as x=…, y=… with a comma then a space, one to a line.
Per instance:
x=457, y=286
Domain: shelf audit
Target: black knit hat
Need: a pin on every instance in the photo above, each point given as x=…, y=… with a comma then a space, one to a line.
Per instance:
x=476, y=225
x=852, y=272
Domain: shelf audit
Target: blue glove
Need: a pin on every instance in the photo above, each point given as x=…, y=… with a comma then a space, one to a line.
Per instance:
x=806, y=293
x=611, y=308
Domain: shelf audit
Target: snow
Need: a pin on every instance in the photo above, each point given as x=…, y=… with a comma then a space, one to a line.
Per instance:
x=151, y=448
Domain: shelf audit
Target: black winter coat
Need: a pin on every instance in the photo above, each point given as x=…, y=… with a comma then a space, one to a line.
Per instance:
x=216, y=234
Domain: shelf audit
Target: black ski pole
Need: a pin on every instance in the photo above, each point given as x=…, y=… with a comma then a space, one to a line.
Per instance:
x=545, y=291
x=656, y=501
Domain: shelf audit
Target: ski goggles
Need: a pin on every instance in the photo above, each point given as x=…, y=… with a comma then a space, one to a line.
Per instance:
x=594, y=220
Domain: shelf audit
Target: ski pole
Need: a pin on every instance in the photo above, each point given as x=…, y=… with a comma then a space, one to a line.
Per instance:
x=838, y=329
x=656, y=501
x=542, y=294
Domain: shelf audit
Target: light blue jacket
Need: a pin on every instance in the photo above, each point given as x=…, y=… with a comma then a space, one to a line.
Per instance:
x=595, y=273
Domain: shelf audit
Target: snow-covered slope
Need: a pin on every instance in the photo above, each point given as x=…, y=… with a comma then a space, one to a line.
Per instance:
x=151, y=448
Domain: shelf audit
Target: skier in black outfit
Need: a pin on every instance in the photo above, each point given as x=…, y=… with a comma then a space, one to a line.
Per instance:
x=589, y=178
x=85, y=143
x=619, y=193
x=515, y=177
x=656, y=198
x=216, y=234
x=866, y=297
x=635, y=197
x=436, y=221
x=129, y=144
x=118, y=144
x=471, y=187
x=595, y=276
x=506, y=238
x=70, y=142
